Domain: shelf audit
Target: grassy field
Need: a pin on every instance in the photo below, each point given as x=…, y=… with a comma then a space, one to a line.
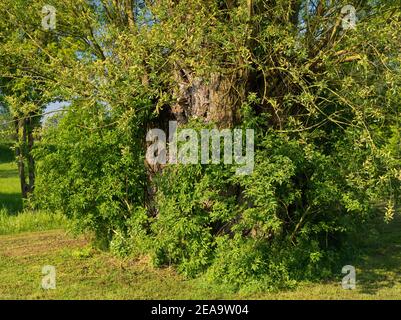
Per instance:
x=28, y=221
x=86, y=273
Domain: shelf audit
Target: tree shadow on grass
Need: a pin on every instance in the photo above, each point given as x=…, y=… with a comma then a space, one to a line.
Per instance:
x=374, y=279
x=6, y=153
x=381, y=265
x=12, y=202
x=9, y=173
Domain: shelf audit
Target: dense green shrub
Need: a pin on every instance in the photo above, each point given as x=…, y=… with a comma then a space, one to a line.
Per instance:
x=288, y=220
x=90, y=172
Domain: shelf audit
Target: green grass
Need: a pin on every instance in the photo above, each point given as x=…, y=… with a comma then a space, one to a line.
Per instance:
x=86, y=273
x=30, y=221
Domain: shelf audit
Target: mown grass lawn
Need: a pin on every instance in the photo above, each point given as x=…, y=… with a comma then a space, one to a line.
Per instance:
x=87, y=273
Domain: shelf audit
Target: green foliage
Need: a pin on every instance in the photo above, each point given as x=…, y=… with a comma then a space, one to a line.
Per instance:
x=289, y=220
x=105, y=173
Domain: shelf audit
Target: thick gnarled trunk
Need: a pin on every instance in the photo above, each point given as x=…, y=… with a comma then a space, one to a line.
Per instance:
x=216, y=100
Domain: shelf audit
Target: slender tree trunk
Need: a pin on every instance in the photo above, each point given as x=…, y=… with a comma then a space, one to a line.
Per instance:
x=19, y=152
x=129, y=8
x=31, y=161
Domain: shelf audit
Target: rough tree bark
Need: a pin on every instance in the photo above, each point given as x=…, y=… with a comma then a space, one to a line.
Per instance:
x=216, y=100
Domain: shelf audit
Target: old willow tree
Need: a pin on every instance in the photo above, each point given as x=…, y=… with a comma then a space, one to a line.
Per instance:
x=318, y=81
